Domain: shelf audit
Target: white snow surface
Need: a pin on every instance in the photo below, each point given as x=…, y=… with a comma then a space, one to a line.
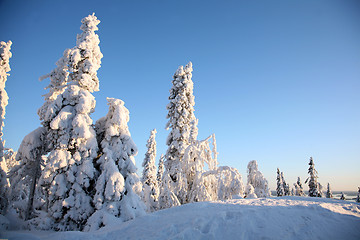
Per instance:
x=261, y=218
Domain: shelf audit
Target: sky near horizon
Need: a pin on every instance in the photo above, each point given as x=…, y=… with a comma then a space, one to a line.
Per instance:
x=276, y=81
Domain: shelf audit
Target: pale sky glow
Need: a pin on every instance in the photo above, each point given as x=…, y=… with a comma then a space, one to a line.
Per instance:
x=276, y=81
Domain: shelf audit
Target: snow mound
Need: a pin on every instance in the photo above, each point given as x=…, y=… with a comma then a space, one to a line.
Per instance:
x=261, y=218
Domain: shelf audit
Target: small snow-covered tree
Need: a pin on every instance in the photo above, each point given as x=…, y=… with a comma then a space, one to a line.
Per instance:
x=257, y=180
x=342, y=196
x=197, y=155
x=358, y=195
x=299, y=191
x=167, y=198
x=183, y=132
x=312, y=180
x=149, y=181
x=285, y=185
x=279, y=184
x=5, y=55
x=69, y=174
x=320, y=191
x=328, y=192
x=116, y=187
x=250, y=192
x=24, y=176
x=228, y=183
x=160, y=171
x=292, y=193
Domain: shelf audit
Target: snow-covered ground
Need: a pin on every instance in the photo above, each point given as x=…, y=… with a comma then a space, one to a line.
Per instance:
x=270, y=218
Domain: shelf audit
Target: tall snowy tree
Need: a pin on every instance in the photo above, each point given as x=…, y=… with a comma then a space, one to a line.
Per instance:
x=185, y=177
x=182, y=122
x=24, y=176
x=5, y=56
x=69, y=174
x=285, y=185
x=117, y=186
x=257, y=180
x=328, y=192
x=358, y=195
x=160, y=171
x=312, y=180
x=149, y=181
x=279, y=184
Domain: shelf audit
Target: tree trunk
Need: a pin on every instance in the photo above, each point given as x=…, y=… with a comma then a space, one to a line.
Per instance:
x=29, y=207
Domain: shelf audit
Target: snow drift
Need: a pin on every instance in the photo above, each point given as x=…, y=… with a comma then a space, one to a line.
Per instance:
x=262, y=218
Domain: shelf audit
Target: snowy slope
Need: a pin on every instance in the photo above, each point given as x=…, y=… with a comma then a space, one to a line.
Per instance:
x=271, y=218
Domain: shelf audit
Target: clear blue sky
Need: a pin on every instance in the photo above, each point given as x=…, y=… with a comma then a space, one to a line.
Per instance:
x=276, y=81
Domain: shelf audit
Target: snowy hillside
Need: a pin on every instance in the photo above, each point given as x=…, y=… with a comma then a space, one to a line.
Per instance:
x=271, y=218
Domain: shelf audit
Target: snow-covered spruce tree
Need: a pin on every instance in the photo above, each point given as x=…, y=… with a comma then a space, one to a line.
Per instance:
x=149, y=181
x=69, y=174
x=182, y=122
x=358, y=195
x=279, y=185
x=312, y=180
x=160, y=171
x=5, y=55
x=320, y=190
x=292, y=192
x=117, y=187
x=285, y=185
x=342, y=196
x=299, y=191
x=24, y=176
x=328, y=192
x=257, y=180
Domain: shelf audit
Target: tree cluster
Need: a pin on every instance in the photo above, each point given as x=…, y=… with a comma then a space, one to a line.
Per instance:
x=74, y=174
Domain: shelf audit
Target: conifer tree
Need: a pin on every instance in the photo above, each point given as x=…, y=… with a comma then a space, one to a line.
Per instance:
x=5, y=55
x=299, y=191
x=149, y=181
x=116, y=187
x=250, y=191
x=182, y=122
x=69, y=174
x=312, y=180
x=285, y=185
x=358, y=195
x=342, y=196
x=320, y=191
x=328, y=192
x=292, y=193
x=279, y=184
